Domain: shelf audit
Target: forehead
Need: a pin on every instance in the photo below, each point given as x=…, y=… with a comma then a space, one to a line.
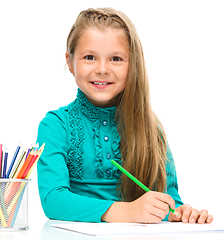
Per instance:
x=103, y=38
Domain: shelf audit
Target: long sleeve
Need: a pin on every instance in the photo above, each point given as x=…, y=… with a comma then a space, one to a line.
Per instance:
x=172, y=185
x=76, y=179
x=57, y=200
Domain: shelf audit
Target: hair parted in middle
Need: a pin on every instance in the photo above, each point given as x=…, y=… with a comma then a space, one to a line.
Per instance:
x=143, y=141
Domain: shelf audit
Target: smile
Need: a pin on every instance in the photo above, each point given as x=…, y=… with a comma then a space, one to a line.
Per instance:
x=100, y=83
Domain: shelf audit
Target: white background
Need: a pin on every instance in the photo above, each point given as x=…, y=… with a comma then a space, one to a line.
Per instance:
x=184, y=51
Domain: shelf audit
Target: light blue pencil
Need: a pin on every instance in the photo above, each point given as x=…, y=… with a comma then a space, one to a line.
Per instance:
x=17, y=208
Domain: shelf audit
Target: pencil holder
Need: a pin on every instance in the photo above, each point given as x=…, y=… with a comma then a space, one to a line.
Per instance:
x=13, y=204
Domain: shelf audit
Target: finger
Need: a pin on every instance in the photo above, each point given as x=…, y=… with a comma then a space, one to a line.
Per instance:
x=161, y=214
x=186, y=214
x=209, y=218
x=158, y=209
x=164, y=207
x=194, y=216
x=166, y=199
x=203, y=215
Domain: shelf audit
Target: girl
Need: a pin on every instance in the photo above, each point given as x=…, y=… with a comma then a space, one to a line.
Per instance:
x=111, y=118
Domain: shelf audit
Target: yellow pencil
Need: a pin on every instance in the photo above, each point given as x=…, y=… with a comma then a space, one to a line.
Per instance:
x=2, y=218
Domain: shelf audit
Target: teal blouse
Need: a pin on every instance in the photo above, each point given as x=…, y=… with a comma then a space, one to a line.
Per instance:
x=76, y=179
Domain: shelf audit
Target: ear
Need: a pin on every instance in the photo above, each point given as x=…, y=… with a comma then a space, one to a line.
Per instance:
x=69, y=60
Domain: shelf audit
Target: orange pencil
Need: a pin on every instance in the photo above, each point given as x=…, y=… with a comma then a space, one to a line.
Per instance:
x=33, y=159
x=26, y=163
x=39, y=154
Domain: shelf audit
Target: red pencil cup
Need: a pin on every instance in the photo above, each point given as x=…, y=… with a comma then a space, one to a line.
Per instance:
x=14, y=204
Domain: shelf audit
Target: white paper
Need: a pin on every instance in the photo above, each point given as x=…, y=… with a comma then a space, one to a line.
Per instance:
x=107, y=229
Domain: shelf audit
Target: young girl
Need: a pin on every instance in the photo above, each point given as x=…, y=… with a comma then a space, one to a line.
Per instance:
x=111, y=118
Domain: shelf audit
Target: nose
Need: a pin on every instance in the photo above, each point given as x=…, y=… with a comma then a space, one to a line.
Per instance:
x=102, y=67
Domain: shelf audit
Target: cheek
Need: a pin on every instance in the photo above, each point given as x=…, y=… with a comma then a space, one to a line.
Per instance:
x=79, y=72
x=124, y=73
x=82, y=70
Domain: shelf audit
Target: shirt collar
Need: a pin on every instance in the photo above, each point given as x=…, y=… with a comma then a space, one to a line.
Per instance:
x=91, y=111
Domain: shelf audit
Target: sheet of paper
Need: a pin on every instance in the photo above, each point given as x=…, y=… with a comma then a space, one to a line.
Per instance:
x=106, y=229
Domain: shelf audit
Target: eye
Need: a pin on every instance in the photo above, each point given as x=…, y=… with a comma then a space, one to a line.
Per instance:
x=116, y=59
x=89, y=57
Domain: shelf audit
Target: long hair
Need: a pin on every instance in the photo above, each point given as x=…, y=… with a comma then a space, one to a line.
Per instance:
x=143, y=141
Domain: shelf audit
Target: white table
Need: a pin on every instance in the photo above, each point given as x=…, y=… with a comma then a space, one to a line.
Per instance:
x=43, y=231
x=39, y=227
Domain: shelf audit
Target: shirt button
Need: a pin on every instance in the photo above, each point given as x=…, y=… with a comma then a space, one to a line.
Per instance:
x=105, y=123
x=108, y=156
x=108, y=173
x=106, y=138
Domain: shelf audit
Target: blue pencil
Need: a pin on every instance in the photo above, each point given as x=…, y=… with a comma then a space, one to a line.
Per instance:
x=1, y=173
x=5, y=164
x=1, y=160
x=13, y=161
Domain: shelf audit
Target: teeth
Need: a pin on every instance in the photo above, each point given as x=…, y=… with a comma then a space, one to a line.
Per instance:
x=98, y=83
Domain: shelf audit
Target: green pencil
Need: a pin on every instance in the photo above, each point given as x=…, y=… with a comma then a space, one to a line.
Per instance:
x=140, y=184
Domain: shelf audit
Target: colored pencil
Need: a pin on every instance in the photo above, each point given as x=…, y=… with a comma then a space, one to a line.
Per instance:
x=28, y=152
x=40, y=152
x=140, y=184
x=11, y=215
x=19, y=168
x=5, y=164
x=31, y=162
x=2, y=202
x=3, y=221
x=14, y=186
x=15, y=197
x=13, y=172
x=1, y=159
x=26, y=163
x=14, y=191
x=13, y=161
x=24, y=173
x=10, y=191
x=17, y=206
x=23, y=184
x=2, y=163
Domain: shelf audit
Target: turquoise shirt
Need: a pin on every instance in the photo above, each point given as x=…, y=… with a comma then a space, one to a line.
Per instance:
x=76, y=179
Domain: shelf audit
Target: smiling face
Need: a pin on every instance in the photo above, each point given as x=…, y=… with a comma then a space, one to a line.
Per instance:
x=100, y=65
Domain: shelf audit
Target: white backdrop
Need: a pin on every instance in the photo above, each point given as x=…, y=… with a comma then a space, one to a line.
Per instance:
x=184, y=51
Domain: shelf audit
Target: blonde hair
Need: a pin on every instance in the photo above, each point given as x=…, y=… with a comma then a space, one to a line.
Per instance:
x=143, y=141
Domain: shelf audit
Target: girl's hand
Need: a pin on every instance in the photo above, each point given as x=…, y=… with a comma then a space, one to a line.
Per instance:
x=187, y=214
x=151, y=207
